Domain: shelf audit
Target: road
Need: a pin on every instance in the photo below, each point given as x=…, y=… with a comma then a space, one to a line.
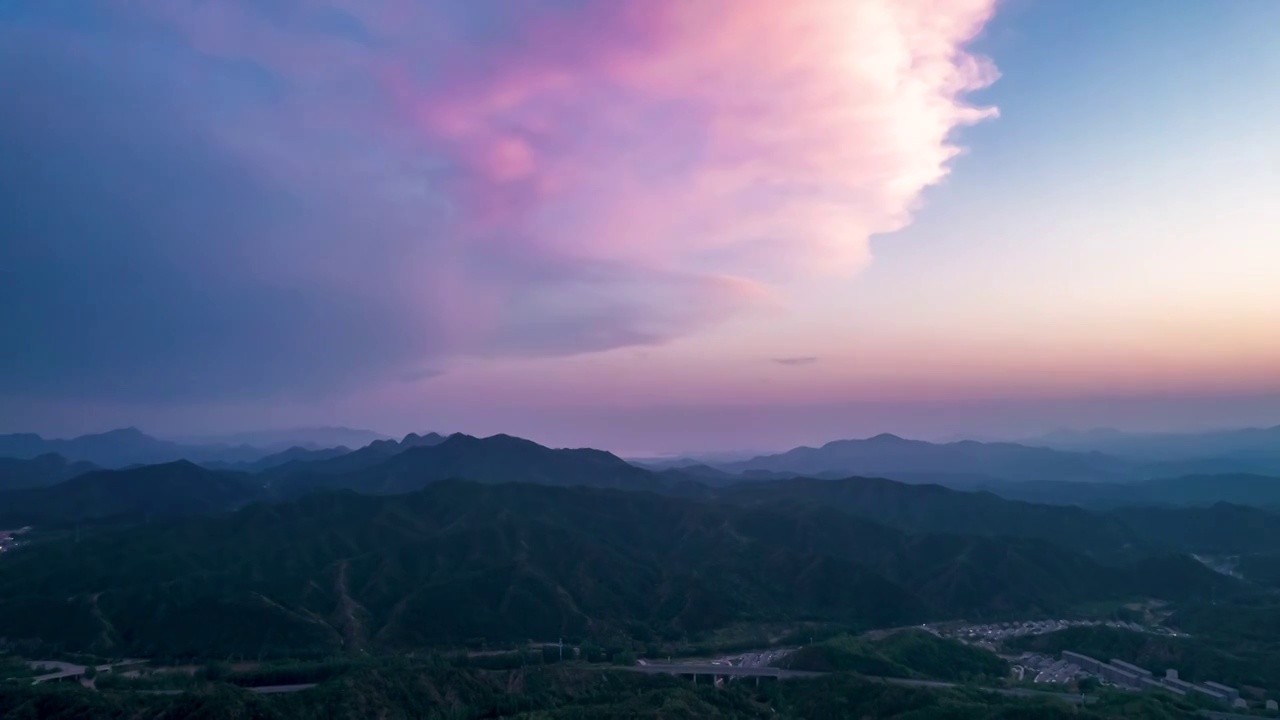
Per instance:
x=1009, y=692
x=277, y=689
x=261, y=690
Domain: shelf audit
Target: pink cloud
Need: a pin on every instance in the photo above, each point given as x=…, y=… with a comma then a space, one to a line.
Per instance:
x=730, y=136
x=661, y=164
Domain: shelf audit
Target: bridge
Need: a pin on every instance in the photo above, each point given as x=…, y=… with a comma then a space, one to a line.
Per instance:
x=696, y=669
x=70, y=671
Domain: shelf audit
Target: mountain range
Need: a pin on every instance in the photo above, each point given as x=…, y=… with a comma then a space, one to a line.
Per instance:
x=1256, y=445
x=39, y=471
x=459, y=561
x=967, y=461
x=972, y=464
x=170, y=489
x=413, y=463
x=310, y=438
x=122, y=448
x=384, y=467
x=963, y=464
x=445, y=540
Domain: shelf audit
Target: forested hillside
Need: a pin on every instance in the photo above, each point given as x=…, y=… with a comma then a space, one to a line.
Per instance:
x=460, y=562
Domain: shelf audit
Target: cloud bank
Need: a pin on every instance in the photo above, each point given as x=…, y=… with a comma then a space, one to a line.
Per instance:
x=232, y=199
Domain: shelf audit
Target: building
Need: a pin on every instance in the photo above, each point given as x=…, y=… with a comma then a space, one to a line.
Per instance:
x=1240, y=704
x=1084, y=662
x=1118, y=676
x=1273, y=706
x=1128, y=667
x=1231, y=693
x=1211, y=694
x=1170, y=674
x=1182, y=686
x=1147, y=683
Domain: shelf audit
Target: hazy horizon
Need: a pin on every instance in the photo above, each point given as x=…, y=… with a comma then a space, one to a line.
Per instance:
x=774, y=429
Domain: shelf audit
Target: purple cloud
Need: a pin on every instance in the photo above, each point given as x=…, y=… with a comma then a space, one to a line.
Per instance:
x=222, y=199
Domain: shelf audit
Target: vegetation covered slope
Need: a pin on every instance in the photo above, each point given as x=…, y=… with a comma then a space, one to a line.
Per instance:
x=460, y=562
x=1184, y=490
x=179, y=488
x=936, y=509
x=904, y=654
x=42, y=471
x=1124, y=533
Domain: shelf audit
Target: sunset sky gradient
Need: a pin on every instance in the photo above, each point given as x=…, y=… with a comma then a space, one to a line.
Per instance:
x=647, y=225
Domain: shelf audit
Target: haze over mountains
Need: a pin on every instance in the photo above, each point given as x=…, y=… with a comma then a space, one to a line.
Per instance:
x=305, y=437
x=1245, y=444
x=1040, y=474
x=124, y=447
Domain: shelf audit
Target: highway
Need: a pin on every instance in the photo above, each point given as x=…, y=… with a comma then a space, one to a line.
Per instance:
x=772, y=672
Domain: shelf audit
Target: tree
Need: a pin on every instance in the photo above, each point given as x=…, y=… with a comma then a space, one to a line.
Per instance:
x=214, y=671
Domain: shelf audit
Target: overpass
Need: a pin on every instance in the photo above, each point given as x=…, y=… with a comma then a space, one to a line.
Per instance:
x=696, y=669
x=70, y=671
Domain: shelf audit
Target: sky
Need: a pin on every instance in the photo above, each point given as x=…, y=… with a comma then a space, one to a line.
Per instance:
x=652, y=226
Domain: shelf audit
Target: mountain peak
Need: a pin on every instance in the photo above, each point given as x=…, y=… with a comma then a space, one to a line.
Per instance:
x=886, y=438
x=124, y=433
x=416, y=440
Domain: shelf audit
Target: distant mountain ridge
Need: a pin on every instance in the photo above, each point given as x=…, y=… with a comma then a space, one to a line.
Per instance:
x=122, y=448
x=166, y=490
x=310, y=438
x=41, y=471
x=1248, y=444
x=887, y=455
x=326, y=463
x=419, y=460
x=1187, y=490
x=386, y=467
x=245, y=451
